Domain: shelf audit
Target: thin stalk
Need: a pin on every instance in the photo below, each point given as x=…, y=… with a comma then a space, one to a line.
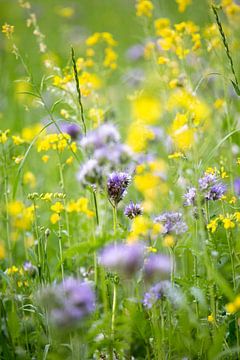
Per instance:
x=5, y=176
x=60, y=247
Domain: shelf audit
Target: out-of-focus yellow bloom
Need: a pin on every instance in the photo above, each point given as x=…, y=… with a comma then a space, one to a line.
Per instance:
x=2, y=251
x=46, y=197
x=96, y=115
x=210, y=318
x=69, y=160
x=15, y=208
x=45, y=158
x=144, y=8
x=233, y=200
x=57, y=207
x=29, y=179
x=234, y=306
x=4, y=136
x=29, y=133
x=161, y=25
x=65, y=12
x=140, y=227
x=17, y=140
x=168, y=241
x=182, y=4
x=65, y=113
x=110, y=58
x=54, y=218
x=18, y=159
x=151, y=249
x=147, y=109
x=8, y=30
x=181, y=134
x=176, y=155
x=219, y=103
x=12, y=270
x=80, y=206
x=138, y=136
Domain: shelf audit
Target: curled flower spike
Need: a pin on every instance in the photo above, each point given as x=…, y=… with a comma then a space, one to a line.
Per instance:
x=172, y=223
x=117, y=184
x=132, y=210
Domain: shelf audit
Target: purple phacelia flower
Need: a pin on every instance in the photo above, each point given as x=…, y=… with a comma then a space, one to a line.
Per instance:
x=117, y=184
x=154, y=294
x=216, y=191
x=105, y=134
x=132, y=210
x=157, y=265
x=90, y=173
x=71, y=129
x=172, y=223
x=123, y=258
x=29, y=268
x=190, y=197
x=207, y=181
x=237, y=186
x=68, y=302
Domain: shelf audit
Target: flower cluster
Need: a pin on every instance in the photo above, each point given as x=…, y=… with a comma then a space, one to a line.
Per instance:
x=117, y=184
x=172, y=222
x=68, y=303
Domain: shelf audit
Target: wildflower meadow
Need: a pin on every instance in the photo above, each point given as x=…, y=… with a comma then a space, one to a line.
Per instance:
x=119, y=179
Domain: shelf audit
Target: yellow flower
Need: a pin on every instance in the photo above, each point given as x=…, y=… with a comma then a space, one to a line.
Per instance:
x=45, y=158
x=144, y=8
x=12, y=270
x=212, y=226
x=138, y=136
x=4, y=136
x=29, y=179
x=218, y=104
x=147, y=109
x=18, y=159
x=17, y=140
x=96, y=115
x=176, y=155
x=151, y=249
x=210, y=318
x=2, y=251
x=161, y=25
x=15, y=208
x=54, y=218
x=140, y=226
x=168, y=241
x=29, y=133
x=182, y=4
x=57, y=207
x=237, y=216
x=8, y=30
x=65, y=12
x=46, y=197
x=228, y=223
x=231, y=308
x=69, y=160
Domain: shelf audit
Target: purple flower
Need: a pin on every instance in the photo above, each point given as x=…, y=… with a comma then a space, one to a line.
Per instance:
x=113, y=154
x=117, y=184
x=206, y=181
x=132, y=210
x=104, y=135
x=237, y=186
x=157, y=265
x=68, y=302
x=135, y=52
x=71, y=129
x=123, y=258
x=172, y=223
x=190, y=197
x=216, y=192
x=90, y=173
x=155, y=293
x=29, y=268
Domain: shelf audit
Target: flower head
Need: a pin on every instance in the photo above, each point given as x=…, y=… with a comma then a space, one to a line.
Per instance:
x=157, y=265
x=190, y=196
x=216, y=191
x=117, y=184
x=71, y=129
x=155, y=293
x=123, y=258
x=68, y=302
x=172, y=223
x=132, y=210
x=237, y=186
x=90, y=173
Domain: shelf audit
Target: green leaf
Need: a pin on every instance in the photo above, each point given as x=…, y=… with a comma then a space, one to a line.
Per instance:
x=236, y=88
